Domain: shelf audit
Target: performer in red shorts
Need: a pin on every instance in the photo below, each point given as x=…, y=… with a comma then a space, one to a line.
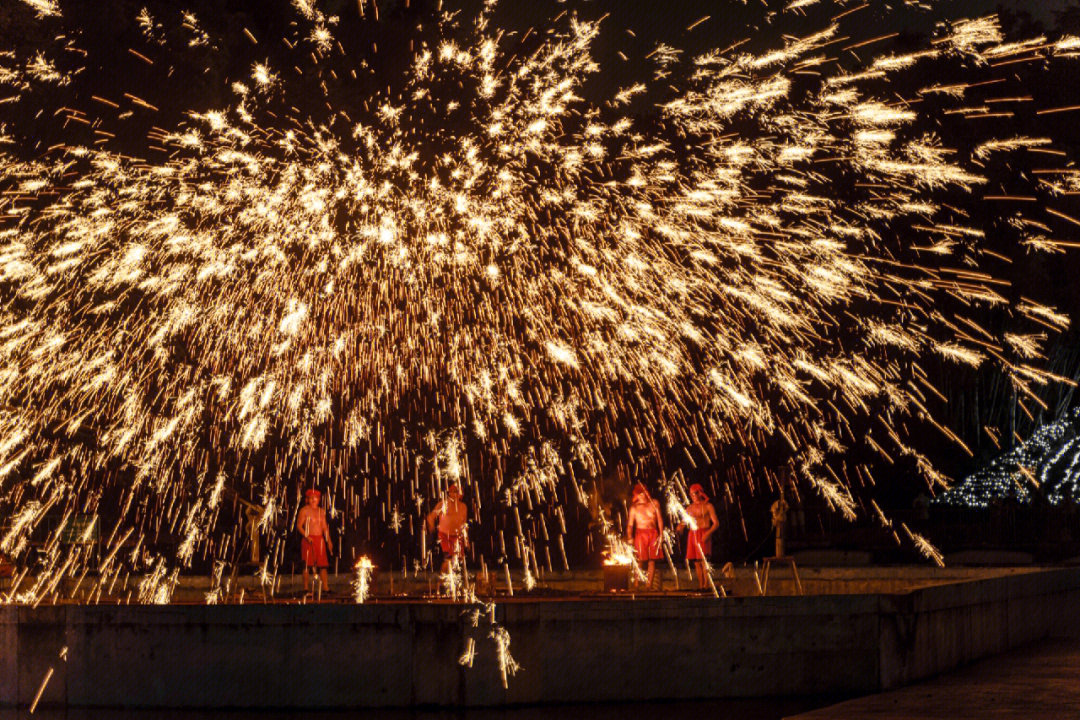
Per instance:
x=311, y=522
x=699, y=540
x=645, y=528
x=451, y=515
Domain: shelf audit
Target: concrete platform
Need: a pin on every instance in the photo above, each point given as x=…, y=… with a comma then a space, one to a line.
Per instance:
x=1037, y=681
x=816, y=580
x=405, y=652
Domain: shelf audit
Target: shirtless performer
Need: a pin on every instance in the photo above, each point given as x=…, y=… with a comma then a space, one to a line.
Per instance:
x=450, y=516
x=645, y=529
x=311, y=522
x=699, y=541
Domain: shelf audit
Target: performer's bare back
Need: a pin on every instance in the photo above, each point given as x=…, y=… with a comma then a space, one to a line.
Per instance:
x=452, y=516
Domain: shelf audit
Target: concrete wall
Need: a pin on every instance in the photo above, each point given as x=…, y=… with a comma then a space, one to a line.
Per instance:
x=9, y=655
x=934, y=629
x=398, y=653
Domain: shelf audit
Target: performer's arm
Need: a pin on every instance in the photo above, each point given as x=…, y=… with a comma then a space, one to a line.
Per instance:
x=429, y=521
x=326, y=535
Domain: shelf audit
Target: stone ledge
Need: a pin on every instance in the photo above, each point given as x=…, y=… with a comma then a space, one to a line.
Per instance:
x=403, y=653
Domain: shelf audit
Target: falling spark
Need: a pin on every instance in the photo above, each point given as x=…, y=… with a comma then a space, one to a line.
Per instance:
x=469, y=654
x=44, y=684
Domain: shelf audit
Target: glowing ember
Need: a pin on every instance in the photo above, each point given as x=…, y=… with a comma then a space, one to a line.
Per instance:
x=618, y=552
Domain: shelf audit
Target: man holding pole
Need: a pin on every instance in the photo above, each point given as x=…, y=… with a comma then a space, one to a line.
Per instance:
x=699, y=539
x=450, y=517
x=645, y=529
x=311, y=522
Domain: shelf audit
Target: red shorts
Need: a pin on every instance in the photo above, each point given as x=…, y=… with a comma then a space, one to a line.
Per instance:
x=647, y=545
x=313, y=550
x=696, y=547
x=452, y=544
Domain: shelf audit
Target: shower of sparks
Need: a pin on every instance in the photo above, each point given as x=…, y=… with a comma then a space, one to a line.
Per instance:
x=508, y=667
x=480, y=277
x=454, y=581
x=678, y=512
x=362, y=581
